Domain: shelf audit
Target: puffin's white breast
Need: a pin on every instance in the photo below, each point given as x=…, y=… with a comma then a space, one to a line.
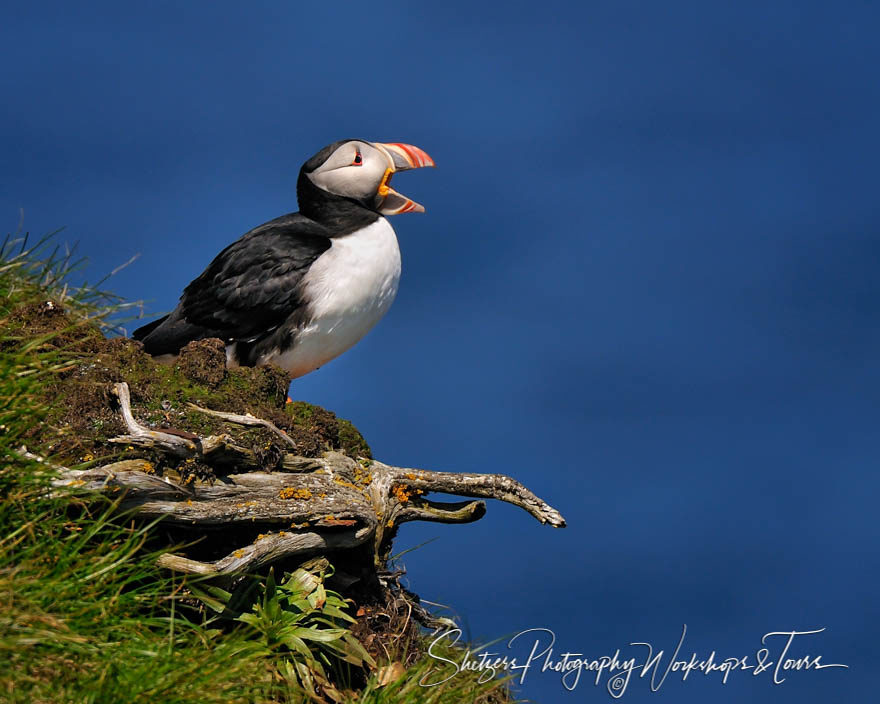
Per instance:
x=348, y=289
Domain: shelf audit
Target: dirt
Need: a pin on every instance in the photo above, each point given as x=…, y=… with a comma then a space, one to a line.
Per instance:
x=81, y=416
x=204, y=361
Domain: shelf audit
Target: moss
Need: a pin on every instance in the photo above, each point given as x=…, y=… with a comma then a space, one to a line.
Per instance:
x=324, y=426
x=351, y=441
x=300, y=411
x=82, y=417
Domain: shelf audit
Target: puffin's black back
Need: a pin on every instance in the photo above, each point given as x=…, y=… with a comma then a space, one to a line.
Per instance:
x=248, y=291
x=254, y=286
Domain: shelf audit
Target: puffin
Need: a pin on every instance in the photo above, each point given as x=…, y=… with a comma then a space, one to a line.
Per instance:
x=301, y=289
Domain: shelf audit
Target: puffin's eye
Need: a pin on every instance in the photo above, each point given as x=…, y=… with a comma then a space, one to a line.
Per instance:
x=358, y=159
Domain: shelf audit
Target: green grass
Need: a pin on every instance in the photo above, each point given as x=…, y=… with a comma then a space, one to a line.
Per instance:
x=86, y=616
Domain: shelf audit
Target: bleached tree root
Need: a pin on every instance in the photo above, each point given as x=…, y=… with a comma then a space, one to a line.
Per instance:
x=300, y=506
x=246, y=419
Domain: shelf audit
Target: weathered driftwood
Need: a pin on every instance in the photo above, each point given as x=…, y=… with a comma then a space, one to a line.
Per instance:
x=304, y=505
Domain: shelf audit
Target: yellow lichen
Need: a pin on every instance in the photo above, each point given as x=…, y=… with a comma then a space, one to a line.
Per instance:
x=362, y=477
x=289, y=492
x=345, y=483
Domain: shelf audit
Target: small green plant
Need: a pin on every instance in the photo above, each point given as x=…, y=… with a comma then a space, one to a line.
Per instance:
x=304, y=623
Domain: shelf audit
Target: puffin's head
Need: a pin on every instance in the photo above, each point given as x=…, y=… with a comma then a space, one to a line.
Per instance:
x=362, y=171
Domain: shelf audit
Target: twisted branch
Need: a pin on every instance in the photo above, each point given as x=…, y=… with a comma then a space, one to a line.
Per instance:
x=310, y=505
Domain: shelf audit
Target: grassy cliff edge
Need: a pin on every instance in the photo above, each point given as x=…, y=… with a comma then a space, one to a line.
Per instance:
x=85, y=615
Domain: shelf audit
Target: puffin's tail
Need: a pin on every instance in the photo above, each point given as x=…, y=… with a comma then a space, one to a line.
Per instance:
x=170, y=334
x=142, y=332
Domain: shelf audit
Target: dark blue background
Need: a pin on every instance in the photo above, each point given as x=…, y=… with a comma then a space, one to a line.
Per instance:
x=645, y=284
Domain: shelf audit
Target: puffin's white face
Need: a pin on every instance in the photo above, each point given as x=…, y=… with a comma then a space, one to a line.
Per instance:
x=354, y=170
x=362, y=170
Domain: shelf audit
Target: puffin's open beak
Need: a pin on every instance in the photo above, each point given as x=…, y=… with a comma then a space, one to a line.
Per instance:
x=400, y=158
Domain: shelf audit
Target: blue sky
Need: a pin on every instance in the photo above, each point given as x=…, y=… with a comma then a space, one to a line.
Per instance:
x=645, y=285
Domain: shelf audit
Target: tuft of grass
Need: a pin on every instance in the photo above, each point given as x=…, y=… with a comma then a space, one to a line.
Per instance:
x=85, y=614
x=433, y=680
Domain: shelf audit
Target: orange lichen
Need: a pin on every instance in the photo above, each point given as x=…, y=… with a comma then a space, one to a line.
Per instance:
x=404, y=494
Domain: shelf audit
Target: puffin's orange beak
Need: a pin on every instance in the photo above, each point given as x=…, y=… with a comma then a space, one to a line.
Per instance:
x=401, y=157
x=406, y=156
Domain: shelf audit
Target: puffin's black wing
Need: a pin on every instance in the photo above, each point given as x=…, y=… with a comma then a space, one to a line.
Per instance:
x=249, y=289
